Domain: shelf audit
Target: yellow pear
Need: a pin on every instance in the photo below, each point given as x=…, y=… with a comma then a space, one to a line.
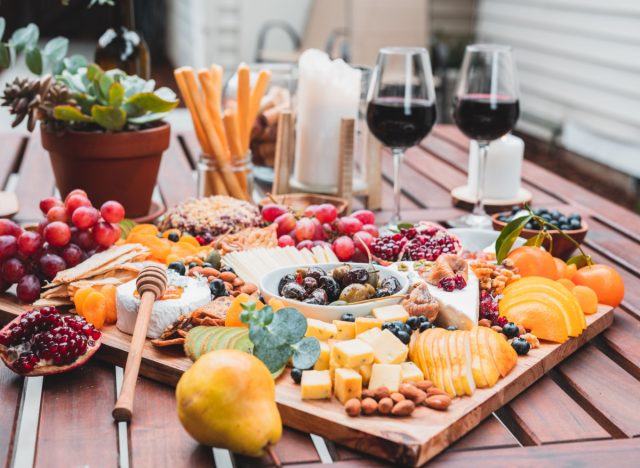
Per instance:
x=227, y=400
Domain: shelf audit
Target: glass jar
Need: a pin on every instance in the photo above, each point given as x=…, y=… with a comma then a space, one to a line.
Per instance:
x=212, y=181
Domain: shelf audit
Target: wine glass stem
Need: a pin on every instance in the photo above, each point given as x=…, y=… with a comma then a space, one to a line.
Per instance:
x=398, y=156
x=483, y=149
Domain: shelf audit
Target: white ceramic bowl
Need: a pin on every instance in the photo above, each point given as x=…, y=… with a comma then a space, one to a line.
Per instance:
x=327, y=313
x=480, y=240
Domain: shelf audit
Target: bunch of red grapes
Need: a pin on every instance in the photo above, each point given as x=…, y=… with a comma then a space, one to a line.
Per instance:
x=73, y=231
x=319, y=225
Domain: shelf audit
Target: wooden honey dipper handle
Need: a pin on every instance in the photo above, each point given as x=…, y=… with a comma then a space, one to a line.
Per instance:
x=151, y=284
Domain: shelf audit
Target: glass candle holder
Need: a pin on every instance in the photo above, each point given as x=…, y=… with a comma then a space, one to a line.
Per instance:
x=212, y=181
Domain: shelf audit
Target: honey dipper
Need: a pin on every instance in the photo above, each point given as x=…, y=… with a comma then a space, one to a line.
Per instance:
x=151, y=284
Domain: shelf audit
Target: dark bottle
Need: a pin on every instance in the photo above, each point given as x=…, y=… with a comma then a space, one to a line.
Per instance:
x=121, y=46
x=400, y=123
x=485, y=118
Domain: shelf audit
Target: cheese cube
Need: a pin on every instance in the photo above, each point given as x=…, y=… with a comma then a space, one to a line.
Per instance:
x=348, y=384
x=321, y=330
x=352, y=353
x=323, y=361
x=391, y=313
x=315, y=385
x=411, y=372
x=365, y=372
x=369, y=335
x=365, y=323
x=385, y=375
x=388, y=349
x=346, y=330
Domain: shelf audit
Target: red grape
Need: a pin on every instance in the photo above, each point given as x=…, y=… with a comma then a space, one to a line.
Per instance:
x=74, y=202
x=47, y=203
x=57, y=234
x=51, y=264
x=371, y=229
x=84, y=240
x=321, y=243
x=310, y=211
x=8, y=246
x=343, y=248
x=28, y=289
x=105, y=234
x=72, y=255
x=318, y=233
x=365, y=216
x=304, y=229
x=57, y=213
x=364, y=237
x=29, y=242
x=305, y=244
x=13, y=269
x=285, y=241
x=9, y=228
x=326, y=213
x=271, y=211
x=349, y=225
x=76, y=192
x=112, y=211
x=360, y=257
x=4, y=285
x=41, y=225
x=85, y=217
x=286, y=223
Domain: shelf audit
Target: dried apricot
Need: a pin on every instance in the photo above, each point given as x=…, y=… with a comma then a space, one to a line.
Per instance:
x=183, y=249
x=235, y=309
x=534, y=261
x=587, y=298
x=567, y=283
x=604, y=280
x=144, y=229
x=94, y=309
x=109, y=291
x=276, y=304
x=160, y=248
x=79, y=298
x=190, y=240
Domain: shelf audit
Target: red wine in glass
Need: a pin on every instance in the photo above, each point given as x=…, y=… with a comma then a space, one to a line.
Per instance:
x=398, y=123
x=484, y=117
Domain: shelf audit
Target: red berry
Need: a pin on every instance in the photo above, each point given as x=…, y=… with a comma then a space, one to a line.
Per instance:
x=29, y=242
x=41, y=225
x=305, y=229
x=28, y=289
x=305, y=244
x=72, y=255
x=9, y=228
x=84, y=240
x=51, y=264
x=326, y=213
x=271, y=211
x=8, y=246
x=286, y=241
x=112, y=211
x=74, y=202
x=12, y=270
x=371, y=229
x=85, y=217
x=343, y=248
x=76, y=192
x=365, y=216
x=361, y=237
x=349, y=225
x=47, y=203
x=105, y=234
x=57, y=234
x=310, y=211
x=57, y=213
x=286, y=223
x=318, y=234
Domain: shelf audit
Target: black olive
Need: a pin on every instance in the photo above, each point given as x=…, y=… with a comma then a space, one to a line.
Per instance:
x=309, y=283
x=227, y=268
x=452, y=328
x=356, y=275
x=173, y=236
x=511, y=330
x=331, y=287
x=318, y=296
x=284, y=280
x=413, y=322
x=296, y=375
x=521, y=346
x=381, y=292
x=293, y=290
x=218, y=288
x=314, y=272
x=403, y=336
x=347, y=317
x=391, y=284
x=177, y=266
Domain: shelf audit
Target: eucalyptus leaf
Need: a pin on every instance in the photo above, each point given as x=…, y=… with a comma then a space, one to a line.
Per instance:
x=508, y=236
x=70, y=114
x=263, y=337
x=306, y=352
x=33, y=59
x=151, y=102
x=289, y=324
x=580, y=261
x=5, y=56
x=22, y=37
x=57, y=67
x=274, y=357
x=116, y=95
x=56, y=49
x=111, y=118
x=3, y=24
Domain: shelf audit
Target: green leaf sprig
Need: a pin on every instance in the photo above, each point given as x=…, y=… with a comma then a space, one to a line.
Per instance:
x=512, y=231
x=277, y=337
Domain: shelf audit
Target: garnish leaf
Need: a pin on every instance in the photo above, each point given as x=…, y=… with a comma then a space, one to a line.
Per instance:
x=306, y=352
x=274, y=357
x=289, y=324
x=508, y=236
x=580, y=261
x=536, y=241
x=404, y=226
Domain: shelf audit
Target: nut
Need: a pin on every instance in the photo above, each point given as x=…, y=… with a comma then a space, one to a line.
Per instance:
x=238, y=282
x=531, y=339
x=208, y=271
x=521, y=330
x=397, y=397
x=210, y=278
x=497, y=328
x=484, y=323
x=380, y=393
x=436, y=391
x=438, y=402
x=403, y=408
x=248, y=288
x=367, y=393
x=369, y=406
x=424, y=385
x=413, y=393
x=228, y=286
x=385, y=405
x=227, y=276
x=195, y=270
x=353, y=407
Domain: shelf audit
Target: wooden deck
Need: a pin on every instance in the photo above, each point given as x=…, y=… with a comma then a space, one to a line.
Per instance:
x=585, y=412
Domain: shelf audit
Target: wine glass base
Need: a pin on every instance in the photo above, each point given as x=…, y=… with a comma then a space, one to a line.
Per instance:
x=471, y=220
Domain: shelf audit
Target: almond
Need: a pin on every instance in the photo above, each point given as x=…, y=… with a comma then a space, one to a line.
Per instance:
x=424, y=385
x=367, y=393
x=209, y=271
x=397, y=397
x=248, y=288
x=369, y=406
x=353, y=407
x=227, y=276
x=380, y=393
x=403, y=408
x=238, y=282
x=438, y=402
x=385, y=405
x=484, y=323
x=497, y=328
x=436, y=391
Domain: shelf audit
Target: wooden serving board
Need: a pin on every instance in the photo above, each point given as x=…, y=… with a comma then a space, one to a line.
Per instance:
x=407, y=441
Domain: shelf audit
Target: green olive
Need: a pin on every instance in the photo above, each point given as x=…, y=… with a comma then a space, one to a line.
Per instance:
x=339, y=272
x=356, y=292
x=374, y=276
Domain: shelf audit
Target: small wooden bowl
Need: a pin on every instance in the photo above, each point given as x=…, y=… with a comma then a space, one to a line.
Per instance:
x=299, y=201
x=562, y=247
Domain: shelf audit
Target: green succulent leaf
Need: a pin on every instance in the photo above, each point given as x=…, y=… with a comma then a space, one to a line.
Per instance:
x=3, y=24
x=74, y=63
x=580, y=261
x=150, y=102
x=306, y=352
x=110, y=118
x=33, y=58
x=94, y=72
x=147, y=118
x=104, y=84
x=56, y=49
x=23, y=37
x=508, y=236
x=116, y=95
x=5, y=56
x=70, y=114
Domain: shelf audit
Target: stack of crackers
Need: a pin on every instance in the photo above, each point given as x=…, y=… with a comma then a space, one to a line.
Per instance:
x=116, y=266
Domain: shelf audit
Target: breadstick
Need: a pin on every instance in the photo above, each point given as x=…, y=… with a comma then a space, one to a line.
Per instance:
x=231, y=128
x=256, y=97
x=243, y=104
x=218, y=75
x=213, y=107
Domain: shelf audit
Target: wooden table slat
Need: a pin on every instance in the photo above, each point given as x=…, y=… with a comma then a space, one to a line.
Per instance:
x=12, y=147
x=10, y=395
x=622, y=341
x=35, y=180
x=491, y=433
x=175, y=178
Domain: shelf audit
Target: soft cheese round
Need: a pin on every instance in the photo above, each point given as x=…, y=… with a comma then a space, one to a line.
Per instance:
x=165, y=312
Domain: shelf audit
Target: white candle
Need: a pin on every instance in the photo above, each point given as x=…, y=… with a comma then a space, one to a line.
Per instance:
x=503, y=169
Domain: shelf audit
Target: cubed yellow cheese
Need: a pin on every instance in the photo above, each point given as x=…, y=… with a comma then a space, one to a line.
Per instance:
x=346, y=330
x=321, y=330
x=315, y=385
x=391, y=313
x=388, y=349
x=365, y=323
x=347, y=384
x=411, y=372
x=352, y=353
x=323, y=361
x=369, y=335
x=385, y=375
x=365, y=372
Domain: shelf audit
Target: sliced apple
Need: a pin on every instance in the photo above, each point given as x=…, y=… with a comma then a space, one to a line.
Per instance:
x=476, y=366
x=489, y=368
x=464, y=351
x=504, y=356
x=455, y=361
x=443, y=343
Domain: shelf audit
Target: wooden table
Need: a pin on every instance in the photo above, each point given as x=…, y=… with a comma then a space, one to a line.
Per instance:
x=584, y=412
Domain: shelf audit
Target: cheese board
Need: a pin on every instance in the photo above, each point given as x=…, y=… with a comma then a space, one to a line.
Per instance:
x=409, y=442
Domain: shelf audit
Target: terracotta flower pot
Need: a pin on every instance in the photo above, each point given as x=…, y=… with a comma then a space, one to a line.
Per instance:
x=109, y=166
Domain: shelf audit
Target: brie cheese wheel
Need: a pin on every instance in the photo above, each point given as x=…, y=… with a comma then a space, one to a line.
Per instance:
x=460, y=307
x=165, y=312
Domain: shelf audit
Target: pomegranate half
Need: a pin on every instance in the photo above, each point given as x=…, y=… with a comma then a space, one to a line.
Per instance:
x=43, y=342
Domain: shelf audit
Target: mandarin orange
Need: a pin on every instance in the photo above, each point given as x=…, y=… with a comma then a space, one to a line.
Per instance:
x=604, y=280
x=534, y=261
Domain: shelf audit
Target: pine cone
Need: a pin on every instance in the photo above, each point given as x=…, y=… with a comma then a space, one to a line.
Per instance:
x=23, y=97
x=55, y=95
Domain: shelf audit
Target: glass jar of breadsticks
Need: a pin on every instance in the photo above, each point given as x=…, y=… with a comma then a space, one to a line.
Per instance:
x=211, y=175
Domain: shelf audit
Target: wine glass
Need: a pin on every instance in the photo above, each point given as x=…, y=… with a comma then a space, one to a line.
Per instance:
x=485, y=108
x=402, y=105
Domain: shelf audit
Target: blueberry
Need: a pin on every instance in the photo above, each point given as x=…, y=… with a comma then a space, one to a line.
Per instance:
x=347, y=317
x=207, y=265
x=227, y=268
x=177, y=266
x=424, y=326
x=422, y=318
x=575, y=216
x=521, y=346
x=543, y=211
x=515, y=209
x=193, y=265
x=575, y=223
x=398, y=324
x=404, y=337
x=555, y=214
x=413, y=322
x=218, y=288
x=173, y=236
x=296, y=375
x=386, y=325
x=511, y=330
x=452, y=328
x=261, y=299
